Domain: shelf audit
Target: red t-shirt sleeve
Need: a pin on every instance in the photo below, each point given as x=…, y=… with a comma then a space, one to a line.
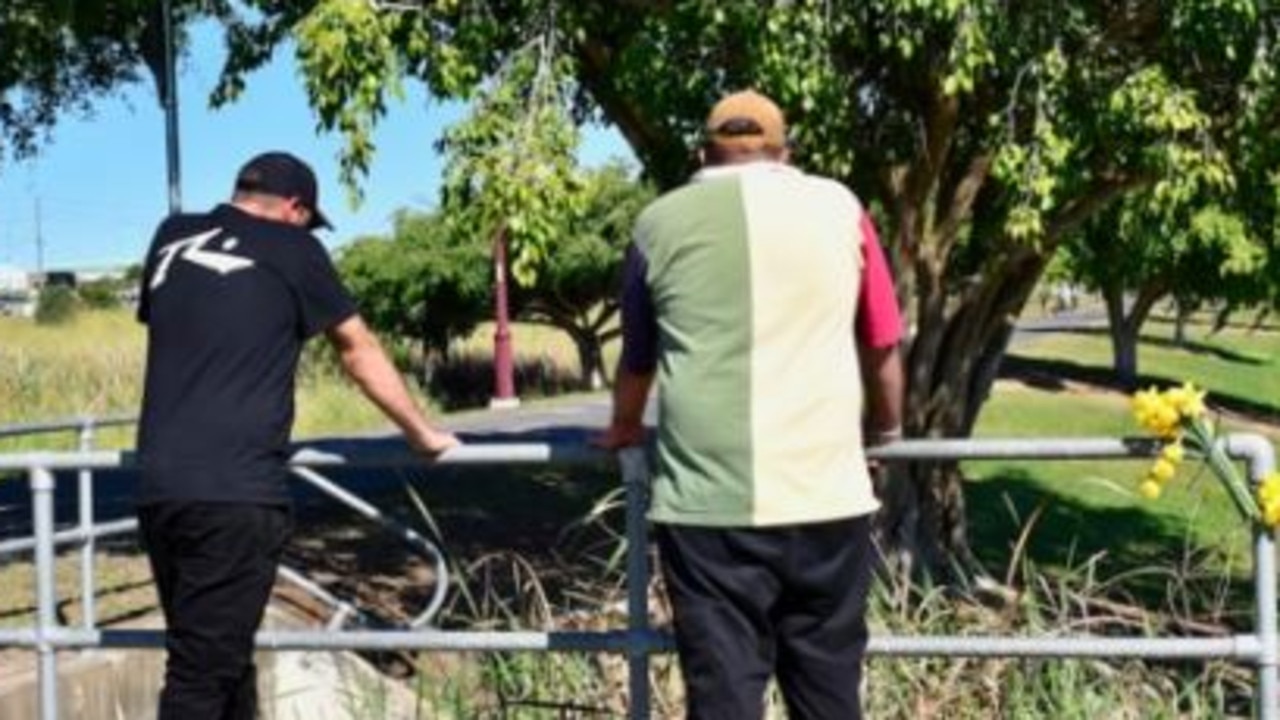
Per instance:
x=879, y=322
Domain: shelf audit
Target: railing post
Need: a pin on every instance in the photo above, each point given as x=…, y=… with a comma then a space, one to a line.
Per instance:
x=635, y=477
x=42, y=483
x=1261, y=458
x=1264, y=573
x=88, y=547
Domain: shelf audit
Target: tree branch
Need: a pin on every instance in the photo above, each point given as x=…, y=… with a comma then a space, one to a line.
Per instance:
x=959, y=204
x=1080, y=209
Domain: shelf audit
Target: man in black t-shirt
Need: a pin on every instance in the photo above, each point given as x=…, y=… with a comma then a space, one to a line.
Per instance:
x=230, y=297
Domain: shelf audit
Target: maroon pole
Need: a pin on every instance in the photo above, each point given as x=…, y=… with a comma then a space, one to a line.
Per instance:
x=503, y=363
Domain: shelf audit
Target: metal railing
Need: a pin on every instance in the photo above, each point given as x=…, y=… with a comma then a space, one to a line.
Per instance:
x=638, y=640
x=86, y=533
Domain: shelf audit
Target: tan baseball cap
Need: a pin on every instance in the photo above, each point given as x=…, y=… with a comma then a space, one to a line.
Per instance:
x=747, y=120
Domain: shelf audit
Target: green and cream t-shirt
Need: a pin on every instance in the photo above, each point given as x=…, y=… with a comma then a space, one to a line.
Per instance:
x=743, y=290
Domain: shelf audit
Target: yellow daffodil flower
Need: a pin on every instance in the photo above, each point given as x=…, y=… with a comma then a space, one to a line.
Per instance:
x=1173, y=452
x=1269, y=488
x=1188, y=400
x=1162, y=471
x=1269, y=499
x=1149, y=489
x=1176, y=415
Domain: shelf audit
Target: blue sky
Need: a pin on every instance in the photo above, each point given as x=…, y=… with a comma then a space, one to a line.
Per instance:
x=101, y=180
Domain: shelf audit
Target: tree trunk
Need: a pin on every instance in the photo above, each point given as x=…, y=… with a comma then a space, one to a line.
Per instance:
x=952, y=365
x=1124, y=339
x=590, y=360
x=1125, y=328
x=1182, y=315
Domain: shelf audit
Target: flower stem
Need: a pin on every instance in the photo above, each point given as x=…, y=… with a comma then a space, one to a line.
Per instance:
x=1226, y=471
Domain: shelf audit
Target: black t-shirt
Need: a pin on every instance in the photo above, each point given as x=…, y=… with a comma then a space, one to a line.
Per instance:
x=229, y=300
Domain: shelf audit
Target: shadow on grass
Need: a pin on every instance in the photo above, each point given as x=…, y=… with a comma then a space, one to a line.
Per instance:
x=1256, y=323
x=1189, y=346
x=1053, y=375
x=467, y=381
x=1136, y=556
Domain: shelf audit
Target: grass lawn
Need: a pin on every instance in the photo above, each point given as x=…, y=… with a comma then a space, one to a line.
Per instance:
x=1241, y=368
x=1091, y=508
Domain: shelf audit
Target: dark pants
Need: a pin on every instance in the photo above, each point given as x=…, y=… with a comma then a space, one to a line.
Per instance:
x=214, y=565
x=754, y=602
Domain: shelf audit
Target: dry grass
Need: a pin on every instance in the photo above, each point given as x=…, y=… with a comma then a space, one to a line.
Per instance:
x=93, y=366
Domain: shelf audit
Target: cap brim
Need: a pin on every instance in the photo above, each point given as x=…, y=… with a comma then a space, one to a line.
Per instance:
x=319, y=220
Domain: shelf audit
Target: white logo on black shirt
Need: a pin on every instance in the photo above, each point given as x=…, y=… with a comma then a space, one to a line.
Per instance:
x=192, y=249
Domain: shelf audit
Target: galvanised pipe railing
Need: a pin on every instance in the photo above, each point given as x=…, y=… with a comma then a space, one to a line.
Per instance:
x=638, y=640
x=86, y=533
x=86, y=428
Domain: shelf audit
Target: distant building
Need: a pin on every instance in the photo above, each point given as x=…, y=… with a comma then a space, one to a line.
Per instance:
x=60, y=278
x=17, y=292
x=14, y=280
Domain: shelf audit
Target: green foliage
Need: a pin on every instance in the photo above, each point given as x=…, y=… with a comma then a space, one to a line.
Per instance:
x=576, y=287
x=511, y=165
x=581, y=272
x=57, y=305
x=424, y=282
x=345, y=51
x=133, y=274
x=431, y=280
x=60, y=55
x=101, y=294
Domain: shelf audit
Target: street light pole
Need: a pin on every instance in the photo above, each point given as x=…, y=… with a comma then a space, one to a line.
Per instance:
x=170, y=100
x=504, y=385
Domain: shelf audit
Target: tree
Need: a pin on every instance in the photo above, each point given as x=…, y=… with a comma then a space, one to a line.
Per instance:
x=987, y=133
x=1199, y=242
x=61, y=55
x=430, y=281
x=57, y=305
x=576, y=286
x=101, y=294
x=1134, y=258
x=423, y=283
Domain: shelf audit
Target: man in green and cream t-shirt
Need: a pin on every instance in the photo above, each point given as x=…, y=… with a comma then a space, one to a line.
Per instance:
x=759, y=297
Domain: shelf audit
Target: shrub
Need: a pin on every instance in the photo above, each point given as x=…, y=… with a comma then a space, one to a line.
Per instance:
x=57, y=305
x=101, y=294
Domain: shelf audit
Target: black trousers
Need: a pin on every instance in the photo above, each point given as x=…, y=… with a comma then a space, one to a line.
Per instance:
x=214, y=565
x=750, y=603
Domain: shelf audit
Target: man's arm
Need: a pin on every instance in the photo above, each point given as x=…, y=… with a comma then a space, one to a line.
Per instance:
x=367, y=364
x=639, y=357
x=879, y=330
x=630, y=395
x=885, y=383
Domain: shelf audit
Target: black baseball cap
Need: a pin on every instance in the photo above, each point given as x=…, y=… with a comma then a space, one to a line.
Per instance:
x=283, y=175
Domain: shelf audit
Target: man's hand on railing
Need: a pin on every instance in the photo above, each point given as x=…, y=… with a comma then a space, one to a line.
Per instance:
x=432, y=442
x=619, y=435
